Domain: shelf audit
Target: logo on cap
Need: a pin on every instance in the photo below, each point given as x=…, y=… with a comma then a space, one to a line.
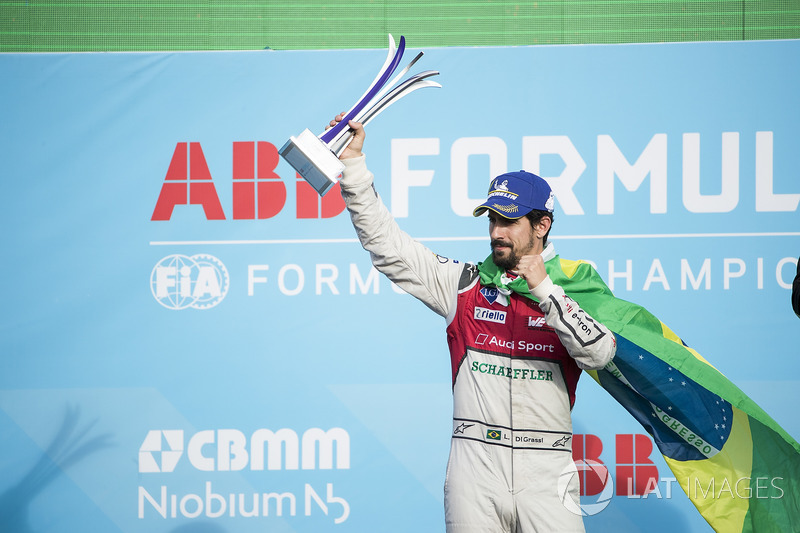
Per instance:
x=513, y=208
x=515, y=194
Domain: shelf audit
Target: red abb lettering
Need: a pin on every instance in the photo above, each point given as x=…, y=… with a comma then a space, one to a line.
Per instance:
x=593, y=474
x=258, y=191
x=310, y=205
x=636, y=475
x=188, y=180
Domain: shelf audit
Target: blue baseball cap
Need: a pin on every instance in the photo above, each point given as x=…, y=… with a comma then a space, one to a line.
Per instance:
x=515, y=194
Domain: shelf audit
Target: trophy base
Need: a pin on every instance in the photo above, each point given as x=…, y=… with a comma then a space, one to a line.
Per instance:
x=313, y=160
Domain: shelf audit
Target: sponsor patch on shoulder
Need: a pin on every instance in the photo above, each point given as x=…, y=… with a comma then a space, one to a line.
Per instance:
x=444, y=260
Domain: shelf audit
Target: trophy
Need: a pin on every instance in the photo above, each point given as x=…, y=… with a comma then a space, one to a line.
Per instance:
x=316, y=157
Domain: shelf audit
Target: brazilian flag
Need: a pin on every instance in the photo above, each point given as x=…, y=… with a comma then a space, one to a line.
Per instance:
x=735, y=463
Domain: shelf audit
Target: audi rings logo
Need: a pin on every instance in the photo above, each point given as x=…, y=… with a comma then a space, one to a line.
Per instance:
x=569, y=487
x=180, y=281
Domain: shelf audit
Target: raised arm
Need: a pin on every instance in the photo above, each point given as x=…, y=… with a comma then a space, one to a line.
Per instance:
x=412, y=266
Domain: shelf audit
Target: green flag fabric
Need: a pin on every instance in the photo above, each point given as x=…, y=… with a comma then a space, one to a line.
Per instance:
x=735, y=463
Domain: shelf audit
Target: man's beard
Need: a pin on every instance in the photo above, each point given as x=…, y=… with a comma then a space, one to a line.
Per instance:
x=506, y=262
x=510, y=260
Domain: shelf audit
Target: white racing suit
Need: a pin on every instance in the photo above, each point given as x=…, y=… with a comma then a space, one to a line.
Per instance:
x=515, y=367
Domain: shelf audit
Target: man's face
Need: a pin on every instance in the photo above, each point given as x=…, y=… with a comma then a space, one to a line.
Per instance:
x=511, y=239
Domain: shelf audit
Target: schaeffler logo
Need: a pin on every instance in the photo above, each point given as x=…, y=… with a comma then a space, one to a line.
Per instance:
x=180, y=281
x=225, y=450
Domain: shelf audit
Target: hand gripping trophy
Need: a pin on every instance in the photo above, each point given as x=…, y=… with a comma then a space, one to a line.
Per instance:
x=315, y=157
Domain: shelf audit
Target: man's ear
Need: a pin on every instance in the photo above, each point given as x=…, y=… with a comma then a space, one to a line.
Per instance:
x=543, y=226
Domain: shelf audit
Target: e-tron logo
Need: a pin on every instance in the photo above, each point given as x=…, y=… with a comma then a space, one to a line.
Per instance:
x=153, y=457
x=179, y=281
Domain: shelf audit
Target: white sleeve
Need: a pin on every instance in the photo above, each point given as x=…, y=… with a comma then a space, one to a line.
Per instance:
x=425, y=275
x=590, y=343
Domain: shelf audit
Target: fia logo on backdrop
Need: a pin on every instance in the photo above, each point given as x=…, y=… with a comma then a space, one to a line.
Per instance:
x=199, y=281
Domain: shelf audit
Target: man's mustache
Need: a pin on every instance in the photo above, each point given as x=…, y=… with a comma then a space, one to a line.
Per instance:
x=498, y=242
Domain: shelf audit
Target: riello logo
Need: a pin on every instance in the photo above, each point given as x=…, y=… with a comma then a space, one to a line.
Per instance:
x=258, y=191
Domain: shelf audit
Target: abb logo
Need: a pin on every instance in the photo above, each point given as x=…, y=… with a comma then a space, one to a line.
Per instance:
x=258, y=192
x=636, y=474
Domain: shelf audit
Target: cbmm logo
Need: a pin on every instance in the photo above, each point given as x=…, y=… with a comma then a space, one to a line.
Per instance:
x=258, y=191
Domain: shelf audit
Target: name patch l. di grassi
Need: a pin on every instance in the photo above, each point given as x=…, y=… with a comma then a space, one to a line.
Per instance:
x=490, y=315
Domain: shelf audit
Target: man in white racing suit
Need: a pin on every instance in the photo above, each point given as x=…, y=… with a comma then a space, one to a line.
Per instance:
x=515, y=362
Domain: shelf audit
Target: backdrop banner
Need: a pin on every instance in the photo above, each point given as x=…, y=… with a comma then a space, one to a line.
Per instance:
x=193, y=340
